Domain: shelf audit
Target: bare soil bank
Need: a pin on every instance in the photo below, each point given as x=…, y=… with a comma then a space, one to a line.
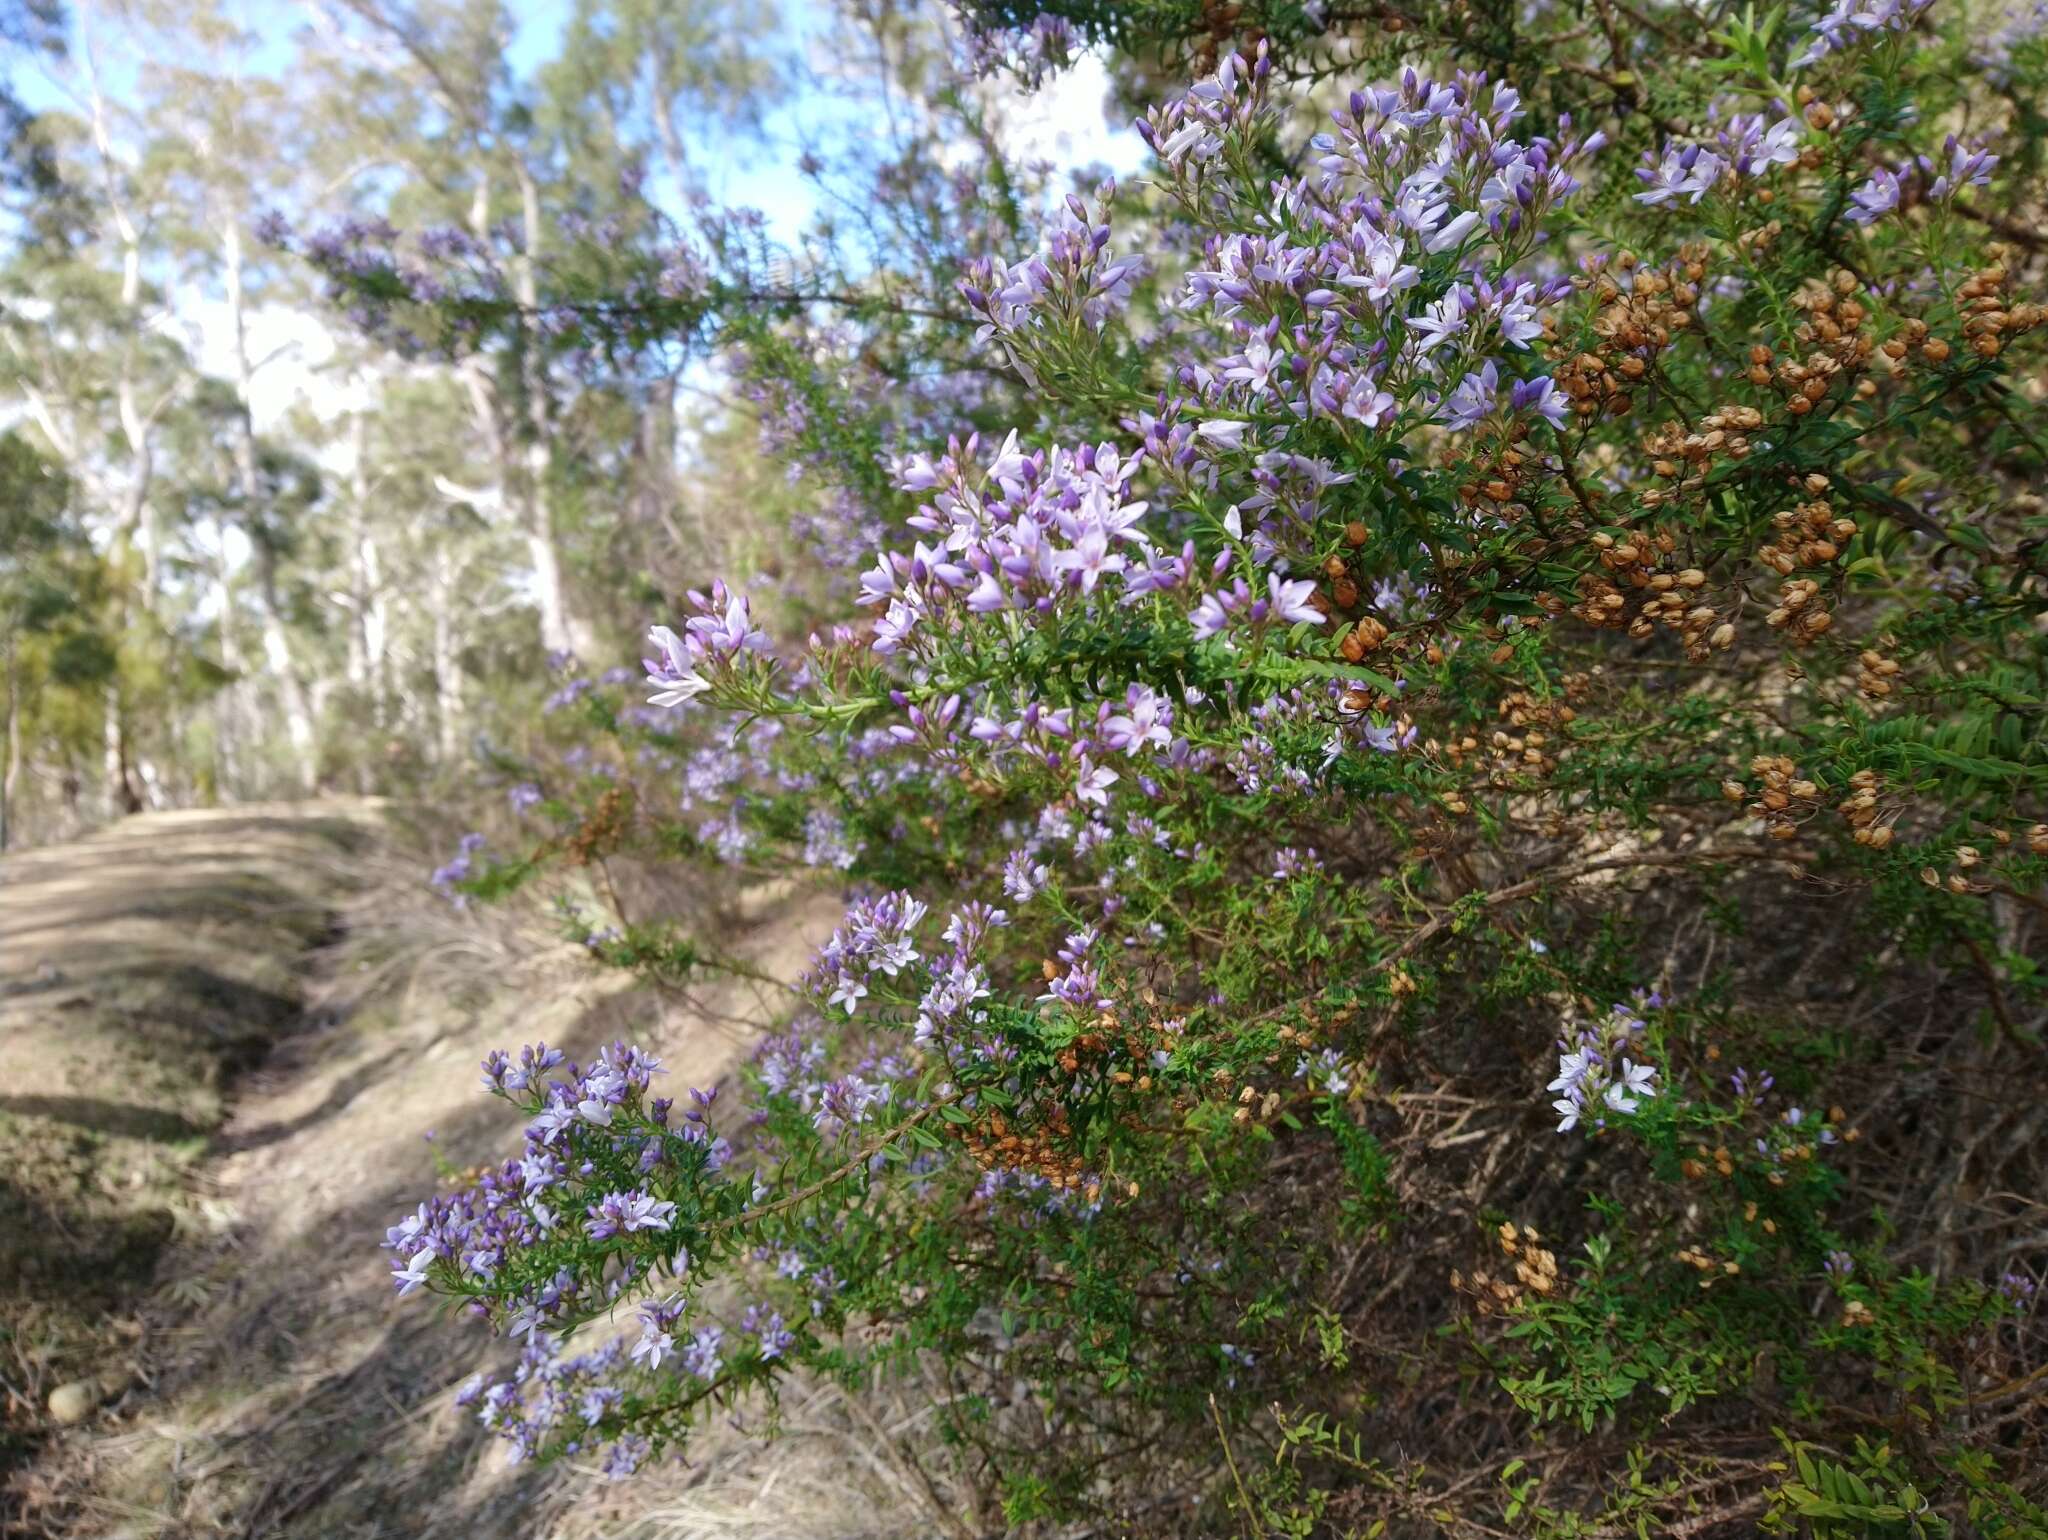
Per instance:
x=223, y=1037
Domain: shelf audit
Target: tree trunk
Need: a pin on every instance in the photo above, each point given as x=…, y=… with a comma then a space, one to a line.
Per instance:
x=12, y=778
x=120, y=790
x=298, y=712
x=561, y=631
x=448, y=693
x=227, y=705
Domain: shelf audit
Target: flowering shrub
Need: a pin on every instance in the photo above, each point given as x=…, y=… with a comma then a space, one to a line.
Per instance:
x=1445, y=843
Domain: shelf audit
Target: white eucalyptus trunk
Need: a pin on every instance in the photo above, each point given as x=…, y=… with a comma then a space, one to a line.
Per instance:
x=560, y=630
x=448, y=690
x=291, y=685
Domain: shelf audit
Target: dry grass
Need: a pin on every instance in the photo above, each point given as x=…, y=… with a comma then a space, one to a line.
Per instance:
x=282, y=1390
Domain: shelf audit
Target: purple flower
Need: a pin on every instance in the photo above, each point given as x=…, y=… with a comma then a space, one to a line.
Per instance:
x=1442, y=321
x=1468, y=405
x=1542, y=397
x=1686, y=171
x=767, y=1325
x=1290, y=599
x=1092, y=782
x=672, y=670
x=626, y=1212
x=1852, y=20
x=1875, y=198
x=1961, y=168
x=1023, y=880
x=1090, y=558
x=701, y=1358
x=1146, y=722
x=1289, y=863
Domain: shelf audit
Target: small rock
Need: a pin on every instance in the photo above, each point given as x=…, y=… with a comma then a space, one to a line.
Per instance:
x=73, y=1402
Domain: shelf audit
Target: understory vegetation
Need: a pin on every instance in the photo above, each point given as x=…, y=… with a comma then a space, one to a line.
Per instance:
x=1430, y=713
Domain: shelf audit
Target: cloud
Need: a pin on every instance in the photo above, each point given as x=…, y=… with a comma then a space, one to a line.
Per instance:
x=1066, y=121
x=290, y=348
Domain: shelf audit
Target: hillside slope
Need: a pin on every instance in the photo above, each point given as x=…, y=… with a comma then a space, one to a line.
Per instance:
x=141, y=970
x=226, y=1035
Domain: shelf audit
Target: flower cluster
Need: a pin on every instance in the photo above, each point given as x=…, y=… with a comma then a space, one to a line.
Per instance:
x=721, y=630
x=1043, y=47
x=457, y=869
x=1391, y=554
x=1851, y=22
x=1602, y=1069
x=1073, y=285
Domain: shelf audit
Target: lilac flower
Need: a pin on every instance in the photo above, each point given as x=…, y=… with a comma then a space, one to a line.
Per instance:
x=273, y=229
x=1595, y=1071
x=1092, y=782
x=1080, y=986
x=1022, y=880
x=1753, y=149
x=625, y=1454
x=724, y=628
x=1088, y=560
x=626, y=1212
x=1959, y=168
x=844, y=1103
x=1853, y=20
x=1686, y=171
x=1542, y=397
x=969, y=924
x=950, y=999
x=458, y=868
x=895, y=626
x=1999, y=48
x=1443, y=320
x=1572, y=1069
x=1289, y=863
x=767, y=1325
x=1515, y=313
x=414, y=1272
x=875, y=937
x=1635, y=1082
x=1146, y=722
x=1750, y=1088
x=1386, y=737
x=1210, y=616
x=825, y=840
x=1290, y=599
x=1569, y=1109
x=653, y=1346
x=1468, y=405
x=1452, y=233
x=1032, y=52
x=1875, y=198
x=672, y=670
x=701, y=1358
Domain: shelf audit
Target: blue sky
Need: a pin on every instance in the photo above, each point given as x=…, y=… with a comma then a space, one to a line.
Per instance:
x=1064, y=124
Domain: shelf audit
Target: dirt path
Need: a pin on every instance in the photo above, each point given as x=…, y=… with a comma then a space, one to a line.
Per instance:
x=260, y=1378
x=140, y=970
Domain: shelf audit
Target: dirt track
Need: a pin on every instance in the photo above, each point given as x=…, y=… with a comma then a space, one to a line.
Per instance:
x=141, y=970
x=222, y=1038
